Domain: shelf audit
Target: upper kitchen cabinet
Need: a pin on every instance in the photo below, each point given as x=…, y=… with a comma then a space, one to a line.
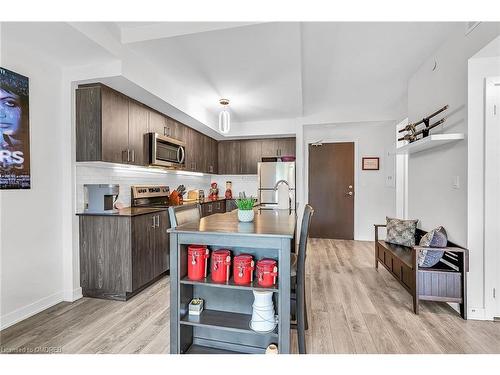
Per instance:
x=101, y=124
x=137, y=126
x=157, y=123
x=109, y=126
x=229, y=157
x=175, y=129
x=250, y=155
x=286, y=146
x=278, y=147
x=194, y=150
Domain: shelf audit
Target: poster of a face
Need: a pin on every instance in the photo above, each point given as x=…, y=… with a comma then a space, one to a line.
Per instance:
x=14, y=131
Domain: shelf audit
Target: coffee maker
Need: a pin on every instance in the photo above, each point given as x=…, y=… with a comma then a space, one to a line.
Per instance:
x=101, y=198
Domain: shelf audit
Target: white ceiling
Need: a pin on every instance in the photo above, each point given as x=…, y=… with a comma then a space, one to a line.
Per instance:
x=58, y=42
x=321, y=71
x=364, y=67
x=256, y=67
x=285, y=70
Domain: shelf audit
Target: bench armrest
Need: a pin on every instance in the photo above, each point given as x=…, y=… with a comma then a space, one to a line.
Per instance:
x=377, y=226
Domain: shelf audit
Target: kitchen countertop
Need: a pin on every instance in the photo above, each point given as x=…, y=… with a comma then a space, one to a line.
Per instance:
x=279, y=223
x=126, y=212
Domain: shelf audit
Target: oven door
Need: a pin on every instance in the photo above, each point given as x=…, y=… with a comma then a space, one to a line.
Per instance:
x=166, y=152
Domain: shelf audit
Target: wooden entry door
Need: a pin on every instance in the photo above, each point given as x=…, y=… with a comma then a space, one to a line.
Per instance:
x=331, y=190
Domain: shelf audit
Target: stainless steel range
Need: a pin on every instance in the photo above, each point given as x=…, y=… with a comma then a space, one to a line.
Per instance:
x=150, y=195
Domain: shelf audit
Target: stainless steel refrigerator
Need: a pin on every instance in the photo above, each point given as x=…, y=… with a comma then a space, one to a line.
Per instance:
x=277, y=185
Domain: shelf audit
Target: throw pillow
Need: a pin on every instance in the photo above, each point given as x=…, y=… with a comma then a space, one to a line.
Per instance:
x=435, y=238
x=401, y=232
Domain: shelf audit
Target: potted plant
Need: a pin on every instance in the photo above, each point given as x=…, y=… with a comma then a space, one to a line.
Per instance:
x=245, y=208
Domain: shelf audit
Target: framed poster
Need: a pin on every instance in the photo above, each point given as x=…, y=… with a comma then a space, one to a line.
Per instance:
x=371, y=164
x=14, y=131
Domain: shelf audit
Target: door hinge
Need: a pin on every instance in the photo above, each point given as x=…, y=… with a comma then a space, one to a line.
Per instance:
x=494, y=109
x=494, y=293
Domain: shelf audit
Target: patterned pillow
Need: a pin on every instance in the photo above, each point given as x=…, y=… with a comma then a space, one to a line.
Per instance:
x=435, y=238
x=401, y=232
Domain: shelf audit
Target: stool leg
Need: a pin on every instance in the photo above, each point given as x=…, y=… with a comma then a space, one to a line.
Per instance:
x=301, y=333
x=306, y=322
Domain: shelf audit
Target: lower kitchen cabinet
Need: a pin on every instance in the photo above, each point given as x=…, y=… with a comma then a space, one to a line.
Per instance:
x=120, y=255
x=215, y=207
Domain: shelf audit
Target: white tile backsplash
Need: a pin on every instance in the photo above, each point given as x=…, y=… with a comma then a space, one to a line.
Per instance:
x=241, y=183
x=125, y=176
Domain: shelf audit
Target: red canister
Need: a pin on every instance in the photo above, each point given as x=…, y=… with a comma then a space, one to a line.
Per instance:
x=267, y=271
x=197, y=262
x=243, y=267
x=220, y=267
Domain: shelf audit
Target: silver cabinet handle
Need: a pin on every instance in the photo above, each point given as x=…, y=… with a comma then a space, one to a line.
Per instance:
x=158, y=221
x=154, y=221
x=133, y=156
x=165, y=130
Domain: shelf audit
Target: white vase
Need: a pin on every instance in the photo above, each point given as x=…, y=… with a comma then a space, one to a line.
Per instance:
x=245, y=215
x=263, y=317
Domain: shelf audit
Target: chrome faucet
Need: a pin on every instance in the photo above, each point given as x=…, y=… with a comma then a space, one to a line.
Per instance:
x=280, y=182
x=289, y=191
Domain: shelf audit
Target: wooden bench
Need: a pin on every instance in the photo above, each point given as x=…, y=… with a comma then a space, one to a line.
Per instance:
x=446, y=281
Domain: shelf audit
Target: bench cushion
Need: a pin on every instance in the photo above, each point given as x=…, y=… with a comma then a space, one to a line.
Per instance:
x=403, y=253
x=401, y=232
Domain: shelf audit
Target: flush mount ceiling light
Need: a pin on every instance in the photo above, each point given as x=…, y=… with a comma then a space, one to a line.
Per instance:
x=224, y=117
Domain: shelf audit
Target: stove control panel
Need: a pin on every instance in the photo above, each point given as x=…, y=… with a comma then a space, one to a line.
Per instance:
x=149, y=191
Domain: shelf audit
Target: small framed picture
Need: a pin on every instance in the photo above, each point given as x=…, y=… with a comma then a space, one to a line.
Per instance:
x=371, y=163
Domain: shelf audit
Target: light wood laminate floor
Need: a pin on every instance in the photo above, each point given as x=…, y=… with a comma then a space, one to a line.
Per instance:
x=352, y=309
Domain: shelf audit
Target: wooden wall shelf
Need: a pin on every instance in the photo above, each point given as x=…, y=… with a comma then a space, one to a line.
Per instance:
x=431, y=141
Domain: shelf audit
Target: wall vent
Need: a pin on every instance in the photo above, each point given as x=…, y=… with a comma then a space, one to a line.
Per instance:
x=471, y=25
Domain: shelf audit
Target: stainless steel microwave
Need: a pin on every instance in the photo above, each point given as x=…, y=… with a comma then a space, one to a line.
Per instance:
x=166, y=152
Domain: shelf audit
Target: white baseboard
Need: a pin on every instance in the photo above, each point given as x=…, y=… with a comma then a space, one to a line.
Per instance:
x=475, y=313
x=34, y=308
x=73, y=295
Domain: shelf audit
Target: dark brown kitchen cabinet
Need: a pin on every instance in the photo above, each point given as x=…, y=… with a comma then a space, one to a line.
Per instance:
x=250, y=155
x=278, y=147
x=175, y=129
x=194, y=151
x=101, y=124
x=157, y=123
x=215, y=207
x=214, y=156
x=138, y=118
x=209, y=159
x=109, y=126
x=270, y=147
x=229, y=157
x=120, y=255
x=286, y=146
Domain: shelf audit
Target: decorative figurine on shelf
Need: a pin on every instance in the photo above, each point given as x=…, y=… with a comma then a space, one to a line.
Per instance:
x=214, y=191
x=229, y=190
x=413, y=134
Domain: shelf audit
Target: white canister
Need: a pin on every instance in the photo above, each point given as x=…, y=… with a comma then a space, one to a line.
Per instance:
x=263, y=316
x=245, y=216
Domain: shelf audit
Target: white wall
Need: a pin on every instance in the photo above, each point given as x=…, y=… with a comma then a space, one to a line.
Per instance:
x=432, y=197
x=374, y=190
x=31, y=250
x=480, y=288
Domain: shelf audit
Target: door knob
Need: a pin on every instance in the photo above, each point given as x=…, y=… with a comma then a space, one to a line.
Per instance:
x=350, y=186
x=349, y=193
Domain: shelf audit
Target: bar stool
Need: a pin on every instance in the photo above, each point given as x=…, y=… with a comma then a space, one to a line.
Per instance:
x=298, y=281
x=184, y=214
